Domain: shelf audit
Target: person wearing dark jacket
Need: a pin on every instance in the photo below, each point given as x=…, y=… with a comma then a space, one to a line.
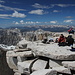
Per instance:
x=70, y=40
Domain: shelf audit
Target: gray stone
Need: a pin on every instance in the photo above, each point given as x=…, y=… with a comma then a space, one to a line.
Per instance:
x=12, y=62
x=45, y=72
x=39, y=64
x=52, y=51
x=21, y=59
x=54, y=63
x=17, y=73
x=69, y=64
x=25, y=66
x=22, y=54
x=62, y=69
x=22, y=46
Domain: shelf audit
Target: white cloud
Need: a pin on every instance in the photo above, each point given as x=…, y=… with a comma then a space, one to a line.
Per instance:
x=1, y=1
x=56, y=11
x=36, y=5
x=28, y=22
x=16, y=23
x=68, y=17
x=68, y=21
x=63, y=5
x=54, y=22
x=10, y=8
x=32, y=22
x=16, y=14
x=22, y=22
x=38, y=12
x=5, y=16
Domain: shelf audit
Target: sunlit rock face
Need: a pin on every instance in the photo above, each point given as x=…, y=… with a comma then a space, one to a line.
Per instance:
x=10, y=36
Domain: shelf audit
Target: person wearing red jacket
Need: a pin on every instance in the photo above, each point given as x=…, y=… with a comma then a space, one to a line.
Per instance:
x=71, y=31
x=62, y=40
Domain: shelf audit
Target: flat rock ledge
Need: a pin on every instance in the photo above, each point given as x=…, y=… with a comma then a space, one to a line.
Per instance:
x=41, y=59
x=52, y=51
x=45, y=72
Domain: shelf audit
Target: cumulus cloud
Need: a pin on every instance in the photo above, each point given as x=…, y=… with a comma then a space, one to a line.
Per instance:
x=16, y=23
x=22, y=22
x=68, y=17
x=68, y=21
x=10, y=8
x=38, y=12
x=54, y=22
x=36, y=5
x=31, y=22
x=56, y=11
x=16, y=14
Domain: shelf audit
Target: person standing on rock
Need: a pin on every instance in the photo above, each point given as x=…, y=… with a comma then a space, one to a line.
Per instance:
x=61, y=40
x=71, y=31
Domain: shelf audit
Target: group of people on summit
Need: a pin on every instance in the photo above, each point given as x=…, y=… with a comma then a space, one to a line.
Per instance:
x=65, y=41
x=62, y=40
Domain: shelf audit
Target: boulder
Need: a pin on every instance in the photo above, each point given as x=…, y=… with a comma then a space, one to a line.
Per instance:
x=39, y=64
x=45, y=72
x=55, y=63
x=52, y=51
x=22, y=54
x=12, y=62
x=69, y=64
x=25, y=66
x=62, y=69
x=22, y=46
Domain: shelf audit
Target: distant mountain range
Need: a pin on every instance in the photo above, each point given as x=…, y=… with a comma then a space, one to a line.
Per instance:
x=52, y=28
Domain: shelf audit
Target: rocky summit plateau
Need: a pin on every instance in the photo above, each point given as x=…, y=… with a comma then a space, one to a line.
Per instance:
x=29, y=56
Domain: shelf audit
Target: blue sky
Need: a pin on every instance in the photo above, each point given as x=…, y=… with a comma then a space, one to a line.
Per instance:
x=37, y=12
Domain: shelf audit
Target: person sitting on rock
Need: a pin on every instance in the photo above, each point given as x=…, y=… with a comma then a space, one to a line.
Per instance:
x=44, y=40
x=62, y=40
x=71, y=31
x=70, y=40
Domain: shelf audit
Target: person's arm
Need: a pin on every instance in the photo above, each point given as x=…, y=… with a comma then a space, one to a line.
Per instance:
x=58, y=40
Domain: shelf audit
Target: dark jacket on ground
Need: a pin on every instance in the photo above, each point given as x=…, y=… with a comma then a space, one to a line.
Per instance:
x=70, y=41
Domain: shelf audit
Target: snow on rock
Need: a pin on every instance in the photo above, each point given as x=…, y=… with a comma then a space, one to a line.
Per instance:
x=6, y=48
